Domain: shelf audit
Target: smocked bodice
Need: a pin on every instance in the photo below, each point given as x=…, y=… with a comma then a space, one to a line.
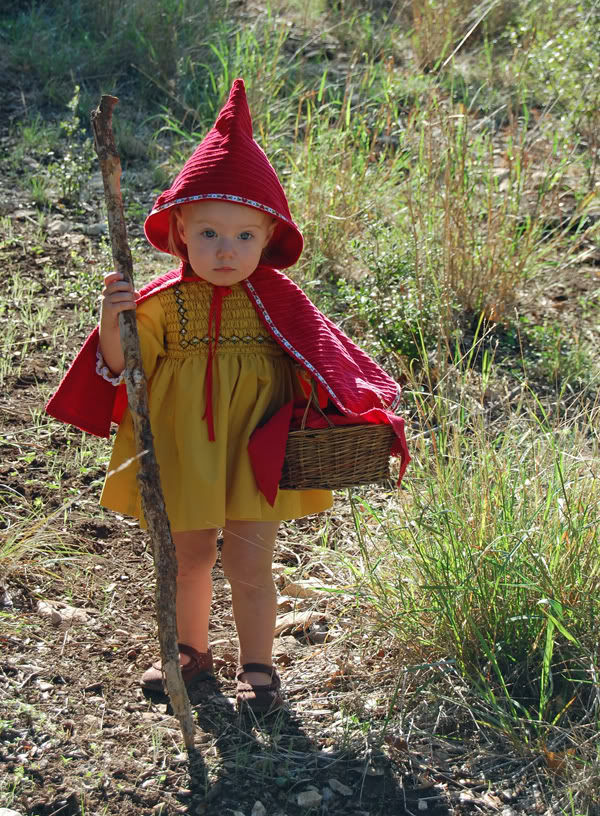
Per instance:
x=186, y=307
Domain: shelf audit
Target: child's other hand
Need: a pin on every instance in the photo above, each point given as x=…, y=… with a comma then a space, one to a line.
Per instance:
x=117, y=296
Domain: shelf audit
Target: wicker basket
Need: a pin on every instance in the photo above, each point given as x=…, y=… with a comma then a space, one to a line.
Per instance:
x=336, y=457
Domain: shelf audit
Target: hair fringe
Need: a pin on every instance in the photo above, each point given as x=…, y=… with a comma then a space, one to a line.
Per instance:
x=175, y=245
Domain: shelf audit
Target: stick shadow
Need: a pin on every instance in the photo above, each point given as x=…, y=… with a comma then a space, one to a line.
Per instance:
x=242, y=759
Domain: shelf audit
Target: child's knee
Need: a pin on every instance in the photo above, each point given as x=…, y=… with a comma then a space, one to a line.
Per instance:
x=196, y=554
x=247, y=572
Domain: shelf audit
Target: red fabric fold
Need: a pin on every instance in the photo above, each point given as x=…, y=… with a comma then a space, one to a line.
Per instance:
x=266, y=450
x=315, y=419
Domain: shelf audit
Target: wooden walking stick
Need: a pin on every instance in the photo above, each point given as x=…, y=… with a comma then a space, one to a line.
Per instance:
x=165, y=565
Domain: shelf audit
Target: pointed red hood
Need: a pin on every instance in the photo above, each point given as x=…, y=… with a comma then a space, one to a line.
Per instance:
x=228, y=165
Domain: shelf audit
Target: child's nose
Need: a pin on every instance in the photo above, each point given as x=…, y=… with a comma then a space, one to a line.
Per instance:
x=225, y=248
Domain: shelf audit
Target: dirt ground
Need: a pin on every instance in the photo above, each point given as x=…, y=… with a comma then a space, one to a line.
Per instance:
x=77, y=736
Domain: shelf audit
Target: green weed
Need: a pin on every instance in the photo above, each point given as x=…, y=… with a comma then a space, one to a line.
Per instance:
x=72, y=169
x=491, y=561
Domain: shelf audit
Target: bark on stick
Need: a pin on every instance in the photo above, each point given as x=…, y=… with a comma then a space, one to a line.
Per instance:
x=165, y=565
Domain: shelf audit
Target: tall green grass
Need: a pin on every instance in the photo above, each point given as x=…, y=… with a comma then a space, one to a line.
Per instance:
x=489, y=560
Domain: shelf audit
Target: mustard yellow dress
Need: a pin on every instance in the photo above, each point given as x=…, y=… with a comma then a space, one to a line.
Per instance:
x=206, y=483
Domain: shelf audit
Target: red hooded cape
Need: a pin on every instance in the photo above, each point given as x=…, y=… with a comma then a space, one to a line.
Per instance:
x=352, y=381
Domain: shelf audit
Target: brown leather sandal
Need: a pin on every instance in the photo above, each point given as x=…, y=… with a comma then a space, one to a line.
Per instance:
x=264, y=699
x=199, y=666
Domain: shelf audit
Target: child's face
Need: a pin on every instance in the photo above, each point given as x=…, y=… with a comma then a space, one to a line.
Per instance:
x=224, y=241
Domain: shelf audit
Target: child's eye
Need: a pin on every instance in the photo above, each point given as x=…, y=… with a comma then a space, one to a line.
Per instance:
x=208, y=233
x=245, y=236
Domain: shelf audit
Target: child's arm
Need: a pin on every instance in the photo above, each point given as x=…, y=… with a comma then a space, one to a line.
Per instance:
x=117, y=296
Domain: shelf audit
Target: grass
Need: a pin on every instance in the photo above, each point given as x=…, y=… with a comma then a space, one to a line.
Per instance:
x=442, y=162
x=487, y=564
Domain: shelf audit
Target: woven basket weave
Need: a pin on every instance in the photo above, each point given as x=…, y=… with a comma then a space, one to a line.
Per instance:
x=336, y=457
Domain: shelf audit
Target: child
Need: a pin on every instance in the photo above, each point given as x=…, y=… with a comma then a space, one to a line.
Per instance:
x=226, y=342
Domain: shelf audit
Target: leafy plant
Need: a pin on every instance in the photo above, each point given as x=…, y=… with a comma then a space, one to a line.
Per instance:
x=400, y=312
x=72, y=169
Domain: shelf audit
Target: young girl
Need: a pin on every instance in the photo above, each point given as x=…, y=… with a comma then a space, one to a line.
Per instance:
x=228, y=343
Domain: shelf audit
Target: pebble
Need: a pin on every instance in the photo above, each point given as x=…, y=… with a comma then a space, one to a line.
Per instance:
x=94, y=229
x=148, y=783
x=309, y=799
x=259, y=809
x=8, y=812
x=92, y=722
x=339, y=787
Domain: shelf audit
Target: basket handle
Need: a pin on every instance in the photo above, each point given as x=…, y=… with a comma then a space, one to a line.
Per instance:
x=314, y=398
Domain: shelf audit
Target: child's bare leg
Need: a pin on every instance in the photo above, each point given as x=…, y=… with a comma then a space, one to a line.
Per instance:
x=247, y=558
x=196, y=552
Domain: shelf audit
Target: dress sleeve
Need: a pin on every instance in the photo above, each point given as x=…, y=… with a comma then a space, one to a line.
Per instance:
x=152, y=326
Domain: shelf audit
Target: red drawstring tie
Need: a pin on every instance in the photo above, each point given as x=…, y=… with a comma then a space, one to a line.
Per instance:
x=214, y=316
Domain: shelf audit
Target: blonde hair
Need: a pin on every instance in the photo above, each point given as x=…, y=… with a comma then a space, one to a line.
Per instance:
x=175, y=244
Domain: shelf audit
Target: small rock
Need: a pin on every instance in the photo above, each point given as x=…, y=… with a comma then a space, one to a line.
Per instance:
x=339, y=787
x=95, y=229
x=43, y=686
x=422, y=804
x=8, y=812
x=57, y=226
x=259, y=809
x=65, y=616
x=237, y=813
x=309, y=799
x=160, y=808
x=92, y=722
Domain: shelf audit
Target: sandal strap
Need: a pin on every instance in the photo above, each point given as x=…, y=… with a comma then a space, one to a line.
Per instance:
x=196, y=657
x=262, y=668
x=192, y=653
